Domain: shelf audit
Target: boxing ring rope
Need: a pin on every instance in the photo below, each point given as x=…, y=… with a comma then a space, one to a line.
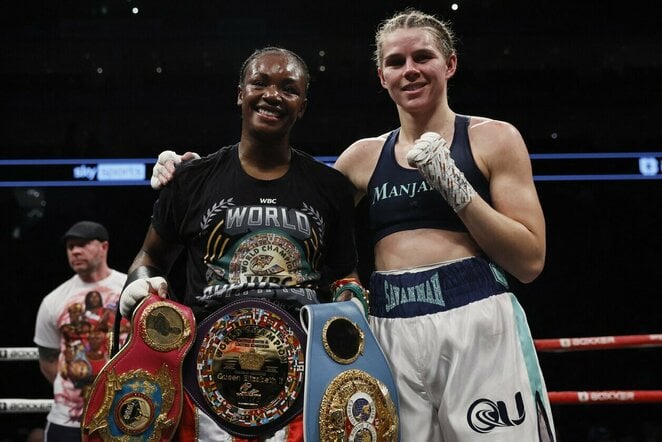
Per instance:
x=605, y=397
x=559, y=345
x=598, y=343
x=13, y=406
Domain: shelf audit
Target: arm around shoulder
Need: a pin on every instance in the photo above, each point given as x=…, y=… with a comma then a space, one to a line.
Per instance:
x=358, y=162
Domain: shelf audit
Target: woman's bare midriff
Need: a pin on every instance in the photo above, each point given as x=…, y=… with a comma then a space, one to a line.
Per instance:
x=422, y=247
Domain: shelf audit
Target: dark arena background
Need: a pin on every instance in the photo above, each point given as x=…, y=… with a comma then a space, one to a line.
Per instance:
x=105, y=85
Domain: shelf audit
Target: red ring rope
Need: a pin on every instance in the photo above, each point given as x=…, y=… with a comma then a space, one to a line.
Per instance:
x=605, y=397
x=598, y=343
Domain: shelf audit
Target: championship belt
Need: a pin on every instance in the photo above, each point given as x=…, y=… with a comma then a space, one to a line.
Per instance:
x=138, y=394
x=350, y=394
x=246, y=370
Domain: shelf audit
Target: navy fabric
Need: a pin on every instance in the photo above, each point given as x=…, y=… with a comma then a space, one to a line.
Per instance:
x=442, y=288
x=60, y=433
x=401, y=199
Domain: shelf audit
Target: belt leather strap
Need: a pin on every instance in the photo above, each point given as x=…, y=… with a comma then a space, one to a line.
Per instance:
x=138, y=394
x=349, y=390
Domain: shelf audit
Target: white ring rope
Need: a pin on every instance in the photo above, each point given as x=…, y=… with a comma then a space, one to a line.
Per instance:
x=11, y=406
x=19, y=354
x=8, y=406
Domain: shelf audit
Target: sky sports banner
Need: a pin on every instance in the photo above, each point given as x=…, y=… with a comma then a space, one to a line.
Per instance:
x=76, y=172
x=137, y=171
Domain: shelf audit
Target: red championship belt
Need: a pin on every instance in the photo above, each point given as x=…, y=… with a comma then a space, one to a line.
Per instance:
x=138, y=394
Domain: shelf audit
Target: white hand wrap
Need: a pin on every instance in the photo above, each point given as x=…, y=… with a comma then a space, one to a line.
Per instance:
x=431, y=155
x=159, y=168
x=136, y=291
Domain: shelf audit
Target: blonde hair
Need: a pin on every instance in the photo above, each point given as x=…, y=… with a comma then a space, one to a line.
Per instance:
x=413, y=18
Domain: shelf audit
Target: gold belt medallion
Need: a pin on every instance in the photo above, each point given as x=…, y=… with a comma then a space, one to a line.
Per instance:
x=356, y=407
x=163, y=327
x=135, y=406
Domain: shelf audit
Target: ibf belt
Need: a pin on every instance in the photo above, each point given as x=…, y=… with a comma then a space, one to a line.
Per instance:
x=137, y=395
x=246, y=370
x=350, y=394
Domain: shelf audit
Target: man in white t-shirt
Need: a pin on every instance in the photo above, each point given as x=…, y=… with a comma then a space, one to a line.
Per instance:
x=72, y=327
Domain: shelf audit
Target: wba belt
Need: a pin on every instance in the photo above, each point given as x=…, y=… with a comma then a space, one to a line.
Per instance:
x=350, y=394
x=138, y=394
x=246, y=369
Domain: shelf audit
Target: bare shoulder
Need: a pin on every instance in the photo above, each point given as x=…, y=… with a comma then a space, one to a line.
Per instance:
x=498, y=131
x=496, y=141
x=361, y=149
x=358, y=161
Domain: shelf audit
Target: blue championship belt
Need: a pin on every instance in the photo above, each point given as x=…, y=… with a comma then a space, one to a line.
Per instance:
x=349, y=391
x=246, y=367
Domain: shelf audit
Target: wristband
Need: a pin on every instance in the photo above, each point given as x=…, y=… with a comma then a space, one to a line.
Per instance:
x=354, y=286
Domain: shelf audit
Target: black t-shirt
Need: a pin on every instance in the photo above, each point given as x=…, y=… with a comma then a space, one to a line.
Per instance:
x=294, y=231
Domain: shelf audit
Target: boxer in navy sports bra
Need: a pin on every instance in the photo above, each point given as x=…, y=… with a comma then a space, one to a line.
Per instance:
x=454, y=214
x=401, y=199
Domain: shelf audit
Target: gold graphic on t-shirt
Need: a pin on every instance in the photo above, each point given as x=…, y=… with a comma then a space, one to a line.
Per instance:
x=164, y=327
x=357, y=407
x=264, y=264
x=266, y=257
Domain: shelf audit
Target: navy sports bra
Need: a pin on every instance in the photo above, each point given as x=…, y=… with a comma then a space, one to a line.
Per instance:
x=401, y=199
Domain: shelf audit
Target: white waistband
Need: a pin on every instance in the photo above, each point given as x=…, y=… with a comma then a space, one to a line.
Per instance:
x=423, y=268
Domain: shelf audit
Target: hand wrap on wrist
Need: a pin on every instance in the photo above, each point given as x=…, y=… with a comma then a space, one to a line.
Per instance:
x=353, y=285
x=139, y=284
x=164, y=157
x=161, y=175
x=432, y=157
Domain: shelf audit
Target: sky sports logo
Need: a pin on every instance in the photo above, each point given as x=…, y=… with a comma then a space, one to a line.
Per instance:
x=110, y=172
